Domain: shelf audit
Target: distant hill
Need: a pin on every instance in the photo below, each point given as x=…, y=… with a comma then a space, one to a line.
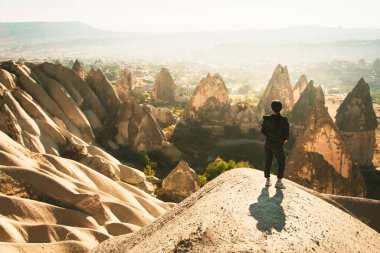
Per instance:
x=54, y=39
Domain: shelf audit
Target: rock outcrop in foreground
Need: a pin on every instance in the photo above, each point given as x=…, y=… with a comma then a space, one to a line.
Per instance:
x=356, y=119
x=320, y=159
x=279, y=87
x=236, y=213
x=163, y=91
x=59, y=204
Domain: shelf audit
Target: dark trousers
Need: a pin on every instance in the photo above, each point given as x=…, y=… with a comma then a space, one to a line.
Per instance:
x=278, y=151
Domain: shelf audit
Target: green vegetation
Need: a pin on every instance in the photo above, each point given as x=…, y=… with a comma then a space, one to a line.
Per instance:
x=220, y=166
x=150, y=166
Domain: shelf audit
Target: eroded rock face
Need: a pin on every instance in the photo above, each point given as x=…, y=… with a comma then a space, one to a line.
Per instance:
x=357, y=121
x=163, y=116
x=299, y=87
x=279, y=87
x=77, y=67
x=298, y=118
x=124, y=85
x=7, y=79
x=181, y=182
x=320, y=159
x=163, y=91
x=136, y=127
x=104, y=90
x=209, y=108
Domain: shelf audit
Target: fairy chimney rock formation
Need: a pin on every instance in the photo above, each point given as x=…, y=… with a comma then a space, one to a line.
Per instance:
x=320, y=159
x=279, y=87
x=124, y=85
x=104, y=90
x=163, y=91
x=181, y=182
x=299, y=87
x=136, y=128
x=298, y=117
x=77, y=67
x=357, y=122
x=211, y=92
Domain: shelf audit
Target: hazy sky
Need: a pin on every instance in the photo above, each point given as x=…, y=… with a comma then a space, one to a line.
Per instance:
x=180, y=15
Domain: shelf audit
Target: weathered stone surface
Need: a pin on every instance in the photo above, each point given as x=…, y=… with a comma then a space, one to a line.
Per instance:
x=124, y=85
x=299, y=116
x=136, y=127
x=77, y=67
x=7, y=79
x=356, y=119
x=100, y=165
x=77, y=87
x=163, y=91
x=320, y=159
x=210, y=92
x=104, y=90
x=279, y=87
x=356, y=113
x=163, y=116
x=181, y=182
x=209, y=108
x=299, y=87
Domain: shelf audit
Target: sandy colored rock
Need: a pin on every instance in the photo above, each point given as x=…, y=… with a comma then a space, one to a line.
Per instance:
x=299, y=116
x=104, y=91
x=299, y=87
x=7, y=79
x=279, y=87
x=181, y=182
x=77, y=67
x=163, y=116
x=163, y=91
x=136, y=127
x=211, y=91
x=236, y=213
x=124, y=85
x=356, y=119
x=320, y=159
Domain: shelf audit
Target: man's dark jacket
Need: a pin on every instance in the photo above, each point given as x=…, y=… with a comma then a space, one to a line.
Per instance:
x=276, y=128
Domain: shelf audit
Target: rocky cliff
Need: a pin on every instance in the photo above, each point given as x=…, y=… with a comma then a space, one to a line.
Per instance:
x=124, y=85
x=357, y=122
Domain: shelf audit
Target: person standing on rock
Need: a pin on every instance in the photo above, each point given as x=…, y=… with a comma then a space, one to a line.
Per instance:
x=276, y=130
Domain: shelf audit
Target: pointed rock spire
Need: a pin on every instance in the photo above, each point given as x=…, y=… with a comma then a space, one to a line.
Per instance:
x=299, y=87
x=357, y=121
x=163, y=91
x=279, y=87
x=77, y=67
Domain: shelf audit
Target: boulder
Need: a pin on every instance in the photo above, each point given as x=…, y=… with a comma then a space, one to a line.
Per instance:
x=77, y=67
x=357, y=121
x=279, y=88
x=181, y=182
x=163, y=91
x=299, y=87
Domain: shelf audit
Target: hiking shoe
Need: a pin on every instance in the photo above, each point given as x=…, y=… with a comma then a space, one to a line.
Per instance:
x=280, y=185
x=268, y=183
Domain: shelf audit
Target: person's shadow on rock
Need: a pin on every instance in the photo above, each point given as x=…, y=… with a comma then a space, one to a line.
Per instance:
x=268, y=211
